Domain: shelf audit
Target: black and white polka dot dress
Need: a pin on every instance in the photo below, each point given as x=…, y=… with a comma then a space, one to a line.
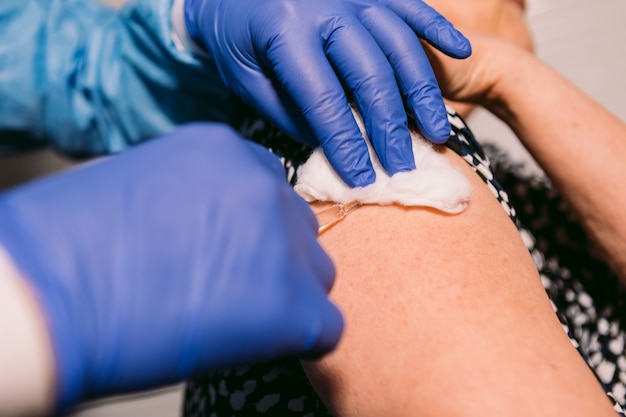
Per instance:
x=584, y=293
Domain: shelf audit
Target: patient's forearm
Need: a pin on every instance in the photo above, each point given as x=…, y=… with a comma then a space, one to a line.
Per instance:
x=446, y=316
x=25, y=357
x=580, y=145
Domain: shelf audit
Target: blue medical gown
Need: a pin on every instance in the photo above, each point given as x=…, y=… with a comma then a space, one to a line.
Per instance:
x=88, y=79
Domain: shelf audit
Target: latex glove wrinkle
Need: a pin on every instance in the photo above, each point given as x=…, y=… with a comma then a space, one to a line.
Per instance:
x=297, y=61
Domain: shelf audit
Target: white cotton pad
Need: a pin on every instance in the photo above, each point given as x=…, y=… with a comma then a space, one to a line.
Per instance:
x=434, y=183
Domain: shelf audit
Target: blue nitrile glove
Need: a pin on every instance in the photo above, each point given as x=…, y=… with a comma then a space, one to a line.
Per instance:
x=291, y=59
x=185, y=254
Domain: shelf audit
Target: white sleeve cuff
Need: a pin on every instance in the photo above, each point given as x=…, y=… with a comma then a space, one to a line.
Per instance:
x=26, y=358
x=180, y=36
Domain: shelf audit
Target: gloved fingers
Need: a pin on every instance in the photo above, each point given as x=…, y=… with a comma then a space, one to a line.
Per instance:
x=304, y=72
x=294, y=206
x=413, y=70
x=366, y=72
x=431, y=26
x=320, y=263
x=318, y=259
x=323, y=321
x=273, y=103
x=267, y=158
x=314, y=324
x=324, y=332
x=307, y=324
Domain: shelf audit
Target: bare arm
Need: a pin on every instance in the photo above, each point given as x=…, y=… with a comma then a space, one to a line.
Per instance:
x=446, y=316
x=579, y=144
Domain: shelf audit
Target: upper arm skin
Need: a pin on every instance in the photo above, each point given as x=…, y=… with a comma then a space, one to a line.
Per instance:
x=446, y=315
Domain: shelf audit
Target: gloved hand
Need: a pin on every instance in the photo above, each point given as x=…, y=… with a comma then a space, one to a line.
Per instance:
x=185, y=254
x=290, y=59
